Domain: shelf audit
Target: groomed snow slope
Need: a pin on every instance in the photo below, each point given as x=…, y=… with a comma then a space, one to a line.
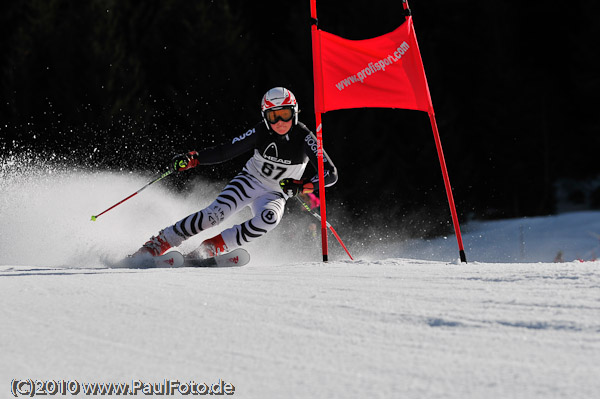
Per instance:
x=380, y=327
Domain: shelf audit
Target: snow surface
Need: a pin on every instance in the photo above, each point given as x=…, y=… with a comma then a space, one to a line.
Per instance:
x=405, y=320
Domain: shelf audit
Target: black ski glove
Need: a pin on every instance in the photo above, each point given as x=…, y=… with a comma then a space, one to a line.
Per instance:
x=294, y=187
x=185, y=161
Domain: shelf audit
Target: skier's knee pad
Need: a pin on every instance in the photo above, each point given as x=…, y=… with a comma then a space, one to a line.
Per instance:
x=263, y=221
x=268, y=219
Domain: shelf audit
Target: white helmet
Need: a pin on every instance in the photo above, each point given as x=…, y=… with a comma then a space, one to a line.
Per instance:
x=278, y=98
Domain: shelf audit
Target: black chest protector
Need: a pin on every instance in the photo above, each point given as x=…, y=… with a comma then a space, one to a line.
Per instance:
x=288, y=149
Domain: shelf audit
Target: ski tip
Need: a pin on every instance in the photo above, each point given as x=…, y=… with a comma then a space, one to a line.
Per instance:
x=237, y=257
x=170, y=259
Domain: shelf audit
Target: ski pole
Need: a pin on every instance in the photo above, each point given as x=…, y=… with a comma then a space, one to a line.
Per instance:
x=315, y=214
x=94, y=217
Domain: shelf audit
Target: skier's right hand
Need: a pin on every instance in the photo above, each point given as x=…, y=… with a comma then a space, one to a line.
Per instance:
x=185, y=161
x=294, y=187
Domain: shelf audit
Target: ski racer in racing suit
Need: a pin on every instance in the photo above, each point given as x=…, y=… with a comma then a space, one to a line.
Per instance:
x=282, y=146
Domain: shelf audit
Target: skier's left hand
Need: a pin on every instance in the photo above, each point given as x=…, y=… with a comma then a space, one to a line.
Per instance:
x=294, y=187
x=185, y=161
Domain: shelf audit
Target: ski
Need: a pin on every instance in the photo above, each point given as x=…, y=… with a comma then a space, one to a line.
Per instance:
x=174, y=259
x=237, y=257
x=170, y=259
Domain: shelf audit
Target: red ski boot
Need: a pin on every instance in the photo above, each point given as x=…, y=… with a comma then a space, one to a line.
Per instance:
x=212, y=247
x=155, y=246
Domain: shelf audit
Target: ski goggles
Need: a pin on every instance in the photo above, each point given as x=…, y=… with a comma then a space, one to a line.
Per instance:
x=282, y=114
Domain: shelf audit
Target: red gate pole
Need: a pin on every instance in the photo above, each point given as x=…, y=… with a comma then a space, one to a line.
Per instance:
x=318, y=99
x=438, y=146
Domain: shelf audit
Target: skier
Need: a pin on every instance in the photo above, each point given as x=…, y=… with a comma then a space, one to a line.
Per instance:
x=282, y=148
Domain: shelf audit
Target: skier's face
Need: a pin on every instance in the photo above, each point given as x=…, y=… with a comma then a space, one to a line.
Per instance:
x=281, y=127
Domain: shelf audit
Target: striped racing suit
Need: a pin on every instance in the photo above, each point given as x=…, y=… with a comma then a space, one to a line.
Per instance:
x=275, y=157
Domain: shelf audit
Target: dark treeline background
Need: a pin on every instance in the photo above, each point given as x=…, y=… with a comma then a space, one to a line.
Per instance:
x=126, y=84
